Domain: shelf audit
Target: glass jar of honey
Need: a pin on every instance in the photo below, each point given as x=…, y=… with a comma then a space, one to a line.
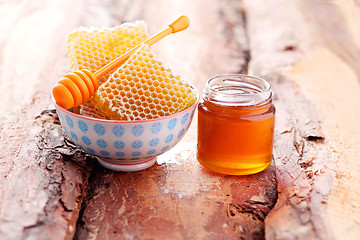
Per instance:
x=236, y=125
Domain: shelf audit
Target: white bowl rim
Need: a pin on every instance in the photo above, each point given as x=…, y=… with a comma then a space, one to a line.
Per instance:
x=135, y=121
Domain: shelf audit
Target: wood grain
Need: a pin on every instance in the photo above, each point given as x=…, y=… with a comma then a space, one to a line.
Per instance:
x=308, y=50
x=177, y=198
x=315, y=77
x=43, y=175
x=176, y=201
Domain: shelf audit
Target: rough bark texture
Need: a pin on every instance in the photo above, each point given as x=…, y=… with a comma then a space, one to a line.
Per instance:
x=308, y=50
x=43, y=176
x=178, y=199
x=309, y=58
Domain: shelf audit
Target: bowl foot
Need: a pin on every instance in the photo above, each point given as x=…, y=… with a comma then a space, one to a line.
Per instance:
x=127, y=167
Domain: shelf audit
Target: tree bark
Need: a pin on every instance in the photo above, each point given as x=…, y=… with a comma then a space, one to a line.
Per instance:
x=307, y=50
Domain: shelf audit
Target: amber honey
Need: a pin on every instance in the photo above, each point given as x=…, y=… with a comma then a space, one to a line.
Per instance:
x=236, y=125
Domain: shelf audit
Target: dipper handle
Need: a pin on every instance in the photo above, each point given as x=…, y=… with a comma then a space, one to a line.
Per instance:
x=178, y=25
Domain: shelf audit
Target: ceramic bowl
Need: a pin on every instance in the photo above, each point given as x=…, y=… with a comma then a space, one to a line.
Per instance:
x=126, y=145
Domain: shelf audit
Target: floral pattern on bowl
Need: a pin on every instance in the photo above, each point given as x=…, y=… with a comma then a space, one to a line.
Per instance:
x=126, y=145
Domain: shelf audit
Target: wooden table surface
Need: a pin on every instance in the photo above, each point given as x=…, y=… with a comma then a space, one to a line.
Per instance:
x=308, y=50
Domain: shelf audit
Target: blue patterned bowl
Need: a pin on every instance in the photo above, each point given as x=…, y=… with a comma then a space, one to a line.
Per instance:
x=126, y=145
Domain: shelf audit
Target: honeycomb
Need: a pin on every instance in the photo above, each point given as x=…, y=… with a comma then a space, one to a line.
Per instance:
x=142, y=88
x=92, y=48
x=90, y=110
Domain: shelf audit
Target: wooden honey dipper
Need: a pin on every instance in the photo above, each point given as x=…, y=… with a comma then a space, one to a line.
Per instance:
x=77, y=87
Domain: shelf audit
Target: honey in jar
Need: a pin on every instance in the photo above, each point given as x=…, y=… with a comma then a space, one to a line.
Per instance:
x=236, y=125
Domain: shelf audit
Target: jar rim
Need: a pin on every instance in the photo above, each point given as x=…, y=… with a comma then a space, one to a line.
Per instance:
x=237, y=89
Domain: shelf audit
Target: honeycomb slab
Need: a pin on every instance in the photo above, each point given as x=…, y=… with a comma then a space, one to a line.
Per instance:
x=92, y=48
x=143, y=88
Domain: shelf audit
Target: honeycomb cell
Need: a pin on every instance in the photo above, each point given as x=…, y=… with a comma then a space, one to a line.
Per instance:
x=138, y=85
x=141, y=75
x=158, y=90
x=147, y=110
x=127, y=72
x=154, y=112
x=152, y=106
x=113, y=85
x=147, y=94
x=116, y=92
x=144, y=104
x=161, y=113
x=153, y=95
x=136, y=96
x=164, y=91
x=138, y=104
